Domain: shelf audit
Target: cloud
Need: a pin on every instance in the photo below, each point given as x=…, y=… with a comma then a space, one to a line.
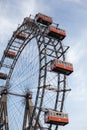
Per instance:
x=75, y=1
x=28, y=7
x=77, y=55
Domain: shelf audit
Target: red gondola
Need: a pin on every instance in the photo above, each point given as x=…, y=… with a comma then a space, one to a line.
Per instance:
x=10, y=54
x=20, y=35
x=61, y=67
x=56, y=33
x=27, y=19
x=41, y=18
x=3, y=76
x=56, y=118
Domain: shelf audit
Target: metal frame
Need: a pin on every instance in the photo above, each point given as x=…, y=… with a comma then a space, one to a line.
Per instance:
x=48, y=48
x=3, y=111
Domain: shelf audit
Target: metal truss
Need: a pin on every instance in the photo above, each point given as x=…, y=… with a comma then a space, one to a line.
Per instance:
x=48, y=48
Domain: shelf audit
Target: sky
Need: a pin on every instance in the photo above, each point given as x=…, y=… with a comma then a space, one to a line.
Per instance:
x=71, y=15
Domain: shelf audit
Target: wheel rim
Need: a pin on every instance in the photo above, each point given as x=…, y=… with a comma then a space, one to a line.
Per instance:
x=47, y=49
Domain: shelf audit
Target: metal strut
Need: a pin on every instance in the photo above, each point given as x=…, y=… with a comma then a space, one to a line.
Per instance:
x=49, y=48
x=28, y=114
x=3, y=111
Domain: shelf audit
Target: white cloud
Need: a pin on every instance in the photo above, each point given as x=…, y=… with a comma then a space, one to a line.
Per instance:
x=75, y=1
x=28, y=7
x=6, y=28
x=13, y=12
x=77, y=55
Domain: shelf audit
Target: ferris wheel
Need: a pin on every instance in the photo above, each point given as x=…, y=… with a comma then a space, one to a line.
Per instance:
x=33, y=75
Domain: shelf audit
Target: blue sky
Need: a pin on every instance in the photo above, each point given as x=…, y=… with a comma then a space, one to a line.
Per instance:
x=71, y=15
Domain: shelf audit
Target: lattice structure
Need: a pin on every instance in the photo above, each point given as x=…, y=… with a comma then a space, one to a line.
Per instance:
x=49, y=84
